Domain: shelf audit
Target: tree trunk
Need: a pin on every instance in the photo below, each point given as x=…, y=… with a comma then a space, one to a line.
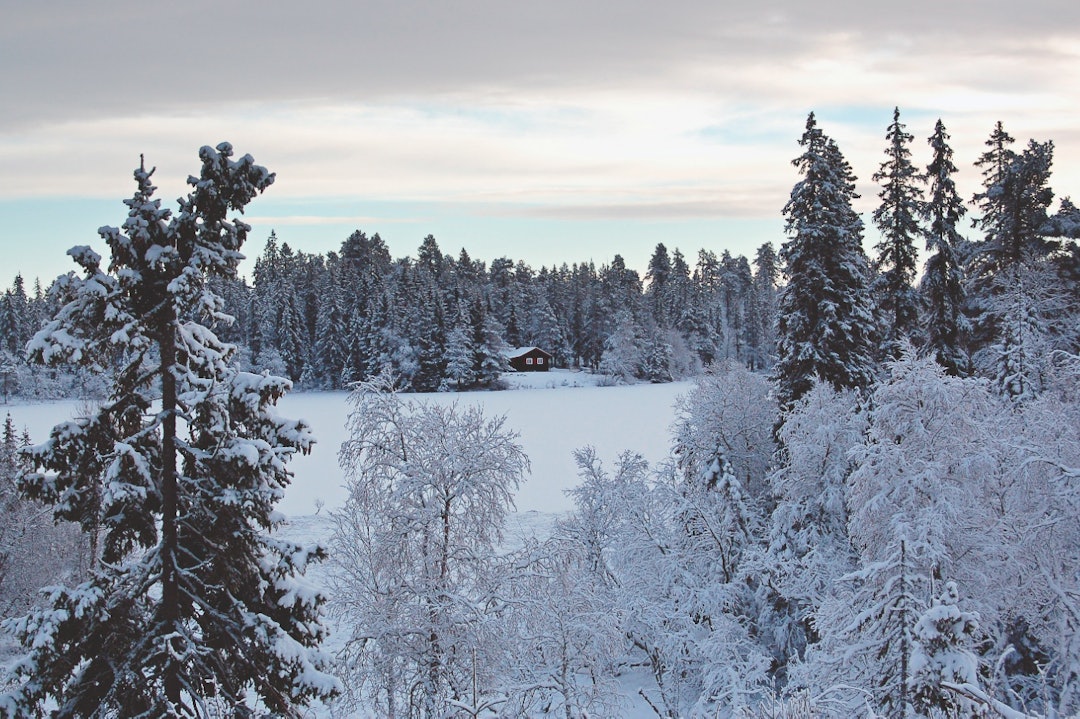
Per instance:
x=170, y=590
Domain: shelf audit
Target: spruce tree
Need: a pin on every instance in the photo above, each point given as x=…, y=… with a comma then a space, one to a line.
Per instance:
x=331, y=342
x=1016, y=204
x=897, y=217
x=290, y=334
x=943, y=654
x=658, y=277
x=825, y=327
x=680, y=288
x=766, y=278
x=995, y=163
x=945, y=327
x=428, y=335
x=549, y=333
x=488, y=348
x=15, y=321
x=193, y=607
x=981, y=259
x=1011, y=271
x=460, y=354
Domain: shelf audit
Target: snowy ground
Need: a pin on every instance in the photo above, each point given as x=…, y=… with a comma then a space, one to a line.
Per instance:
x=554, y=413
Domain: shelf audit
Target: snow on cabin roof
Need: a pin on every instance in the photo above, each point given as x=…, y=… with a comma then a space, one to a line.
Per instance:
x=519, y=351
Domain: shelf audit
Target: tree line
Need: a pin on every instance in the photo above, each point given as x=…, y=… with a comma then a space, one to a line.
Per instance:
x=995, y=295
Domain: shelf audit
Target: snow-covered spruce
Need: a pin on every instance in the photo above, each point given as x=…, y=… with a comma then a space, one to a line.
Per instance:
x=944, y=326
x=897, y=217
x=825, y=324
x=191, y=608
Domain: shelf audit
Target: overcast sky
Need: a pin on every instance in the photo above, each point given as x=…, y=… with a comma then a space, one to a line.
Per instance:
x=549, y=131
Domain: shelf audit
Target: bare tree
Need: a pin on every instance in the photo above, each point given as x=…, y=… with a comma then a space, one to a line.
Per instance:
x=415, y=549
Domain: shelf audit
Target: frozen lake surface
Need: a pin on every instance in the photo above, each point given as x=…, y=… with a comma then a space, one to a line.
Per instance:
x=553, y=412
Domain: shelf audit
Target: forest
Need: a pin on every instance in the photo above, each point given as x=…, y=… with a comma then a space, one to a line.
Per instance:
x=870, y=506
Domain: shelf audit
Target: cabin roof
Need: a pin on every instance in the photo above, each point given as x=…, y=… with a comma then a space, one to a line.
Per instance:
x=521, y=351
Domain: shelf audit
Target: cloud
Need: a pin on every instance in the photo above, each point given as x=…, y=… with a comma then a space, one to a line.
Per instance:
x=319, y=220
x=570, y=109
x=128, y=57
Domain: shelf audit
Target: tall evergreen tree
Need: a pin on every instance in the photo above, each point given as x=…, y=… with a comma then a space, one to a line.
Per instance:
x=194, y=607
x=826, y=325
x=331, y=344
x=868, y=631
x=766, y=279
x=995, y=163
x=738, y=282
x=290, y=334
x=897, y=217
x=429, y=335
x=488, y=347
x=680, y=288
x=1011, y=271
x=945, y=327
x=15, y=320
x=659, y=276
x=549, y=333
x=1016, y=206
x=459, y=354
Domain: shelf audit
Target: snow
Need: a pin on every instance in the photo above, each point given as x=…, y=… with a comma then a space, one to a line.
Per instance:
x=554, y=413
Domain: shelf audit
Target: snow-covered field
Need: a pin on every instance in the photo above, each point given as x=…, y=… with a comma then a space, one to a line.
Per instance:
x=554, y=413
x=552, y=416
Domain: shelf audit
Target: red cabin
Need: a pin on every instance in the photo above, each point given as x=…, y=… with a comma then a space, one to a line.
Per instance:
x=529, y=359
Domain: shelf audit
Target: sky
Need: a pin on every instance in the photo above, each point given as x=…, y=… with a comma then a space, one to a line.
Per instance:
x=554, y=131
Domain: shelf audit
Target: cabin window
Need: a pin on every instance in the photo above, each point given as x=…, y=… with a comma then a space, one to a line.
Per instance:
x=539, y=360
x=528, y=360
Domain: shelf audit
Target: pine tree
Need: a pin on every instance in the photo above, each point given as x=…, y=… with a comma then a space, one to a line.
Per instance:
x=489, y=350
x=942, y=654
x=622, y=358
x=995, y=163
x=549, y=333
x=659, y=276
x=459, y=354
x=945, y=327
x=825, y=326
x=331, y=342
x=513, y=327
x=680, y=289
x=897, y=217
x=428, y=335
x=15, y=321
x=9, y=497
x=868, y=631
x=981, y=266
x=655, y=359
x=698, y=331
x=290, y=335
x=193, y=603
x=766, y=279
x=738, y=282
x=1009, y=269
x=1016, y=203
